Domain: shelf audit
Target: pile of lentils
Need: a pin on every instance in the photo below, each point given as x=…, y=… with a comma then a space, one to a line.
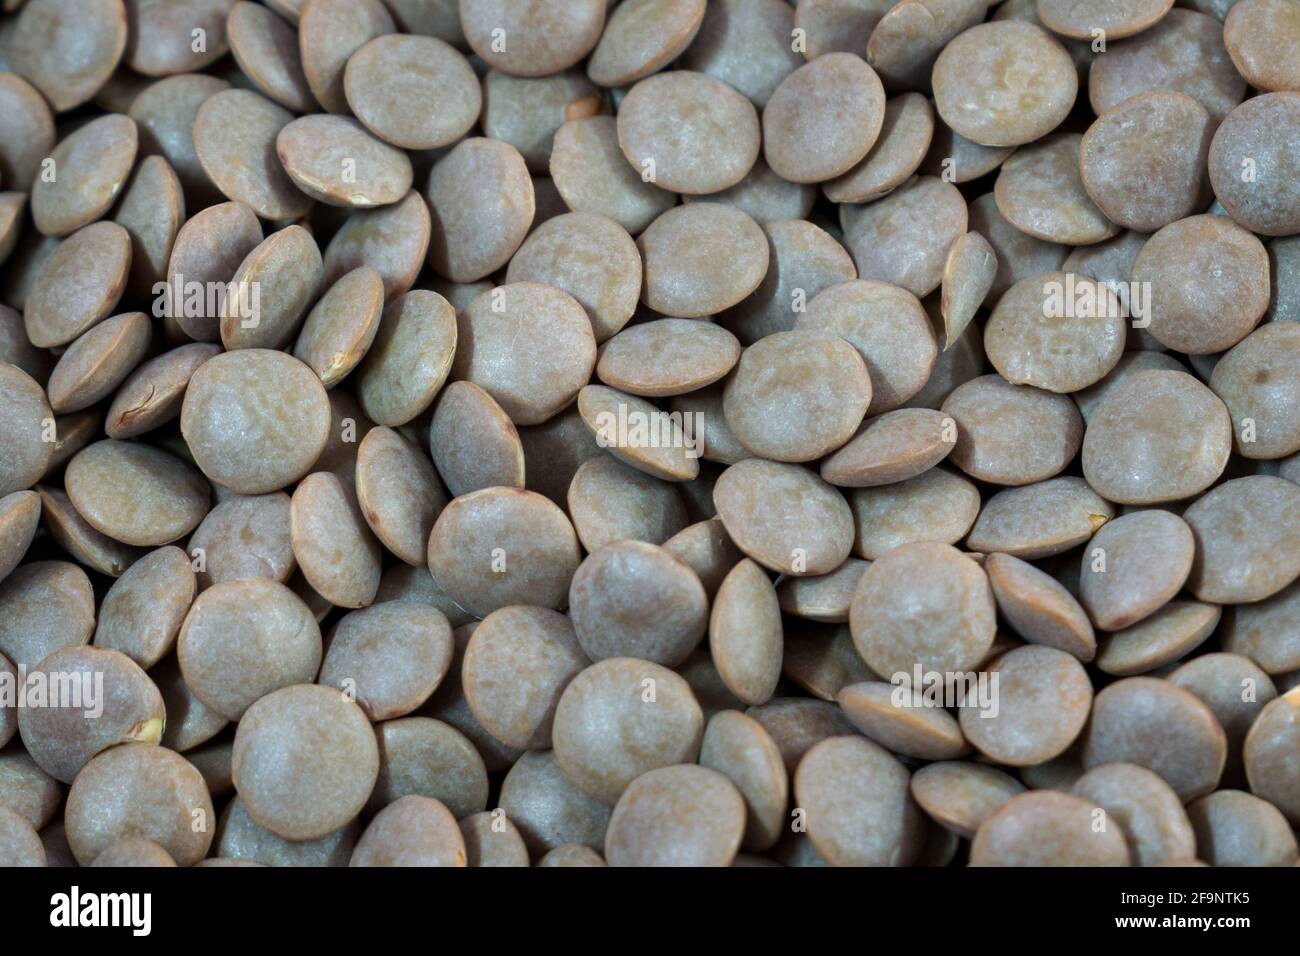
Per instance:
x=657, y=432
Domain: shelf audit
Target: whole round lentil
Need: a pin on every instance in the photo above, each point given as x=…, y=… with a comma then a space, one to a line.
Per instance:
x=893, y=447
x=411, y=831
x=1262, y=40
x=69, y=65
x=95, y=364
x=1012, y=434
x=676, y=816
x=625, y=698
x=803, y=261
x=189, y=722
x=797, y=395
x=784, y=517
x=44, y=606
x=287, y=265
x=66, y=733
x=1040, y=191
x=335, y=160
x=642, y=36
x=609, y=501
x=429, y=758
x=390, y=657
x=1264, y=631
x=305, y=761
x=526, y=111
x=825, y=597
x=329, y=32
x=1135, y=564
x=1039, y=520
x=860, y=812
x=700, y=259
x=28, y=128
x=603, y=409
x=549, y=810
x=245, y=842
x=1188, y=315
x=1004, y=83
x=1171, y=443
x=667, y=357
x=243, y=639
x=1046, y=828
x=1165, y=636
x=689, y=132
x=1039, y=608
x=1246, y=539
x=234, y=138
x=745, y=633
x=925, y=605
x=25, y=414
x=483, y=204
x=266, y=49
x=415, y=92
x=1157, y=725
x=1259, y=381
x=342, y=325
x=92, y=165
x=255, y=420
x=144, y=609
x=245, y=537
x=1220, y=682
x=904, y=44
x=1239, y=829
x=532, y=369
x=143, y=790
x=540, y=38
x=393, y=240
x=937, y=505
x=79, y=285
x=804, y=120
x=20, y=515
x=968, y=275
x=1044, y=698
x=136, y=493
x=1118, y=20
x=660, y=618
x=738, y=747
x=1143, y=162
x=1031, y=340
x=501, y=546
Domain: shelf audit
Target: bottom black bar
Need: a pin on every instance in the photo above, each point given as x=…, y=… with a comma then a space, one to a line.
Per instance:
x=331, y=905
